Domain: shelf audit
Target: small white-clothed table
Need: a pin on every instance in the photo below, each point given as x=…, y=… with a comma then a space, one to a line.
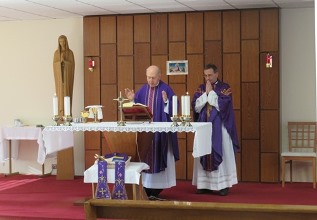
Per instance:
x=49, y=142
x=132, y=175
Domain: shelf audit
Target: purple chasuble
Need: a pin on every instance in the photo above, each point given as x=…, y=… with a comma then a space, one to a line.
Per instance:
x=102, y=191
x=119, y=191
x=225, y=115
x=157, y=155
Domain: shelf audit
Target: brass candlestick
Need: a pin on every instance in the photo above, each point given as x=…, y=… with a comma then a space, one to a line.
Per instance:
x=55, y=118
x=174, y=120
x=120, y=100
x=67, y=119
x=186, y=120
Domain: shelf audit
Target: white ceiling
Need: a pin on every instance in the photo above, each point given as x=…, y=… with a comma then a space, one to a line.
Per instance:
x=11, y=10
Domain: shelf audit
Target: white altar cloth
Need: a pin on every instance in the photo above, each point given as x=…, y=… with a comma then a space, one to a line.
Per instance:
x=202, y=130
x=49, y=142
x=132, y=173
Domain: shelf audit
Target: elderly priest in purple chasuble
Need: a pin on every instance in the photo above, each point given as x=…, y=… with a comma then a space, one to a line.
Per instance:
x=163, y=153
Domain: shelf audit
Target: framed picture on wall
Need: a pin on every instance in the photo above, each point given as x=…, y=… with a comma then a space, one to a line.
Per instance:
x=177, y=67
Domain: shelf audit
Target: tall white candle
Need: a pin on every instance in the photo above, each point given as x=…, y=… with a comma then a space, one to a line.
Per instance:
x=174, y=105
x=186, y=105
x=187, y=98
x=66, y=105
x=55, y=105
x=183, y=104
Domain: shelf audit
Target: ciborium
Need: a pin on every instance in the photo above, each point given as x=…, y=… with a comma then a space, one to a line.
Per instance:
x=84, y=115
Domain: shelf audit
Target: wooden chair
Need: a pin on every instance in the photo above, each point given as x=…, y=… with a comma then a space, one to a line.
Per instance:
x=301, y=147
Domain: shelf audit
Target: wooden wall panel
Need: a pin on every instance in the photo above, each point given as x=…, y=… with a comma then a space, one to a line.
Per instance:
x=181, y=173
x=250, y=160
x=108, y=63
x=92, y=147
x=194, y=33
x=250, y=24
x=237, y=41
x=91, y=36
x=269, y=26
x=190, y=165
x=160, y=61
x=269, y=78
x=195, y=70
x=269, y=163
x=141, y=61
x=176, y=27
x=108, y=30
x=110, y=110
x=125, y=35
x=238, y=165
x=237, y=117
x=92, y=83
x=250, y=60
x=125, y=73
x=213, y=54
x=159, y=34
x=105, y=149
x=92, y=140
x=231, y=31
x=231, y=75
x=177, y=52
x=270, y=131
x=250, y=111
x=142, y=28
x=212, y=25
x=90, y=157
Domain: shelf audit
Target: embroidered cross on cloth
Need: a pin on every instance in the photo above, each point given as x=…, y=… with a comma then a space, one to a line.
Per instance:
x=102, y=191
x=119, y=191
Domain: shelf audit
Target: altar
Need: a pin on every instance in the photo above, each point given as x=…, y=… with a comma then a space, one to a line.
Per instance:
x=202, y=130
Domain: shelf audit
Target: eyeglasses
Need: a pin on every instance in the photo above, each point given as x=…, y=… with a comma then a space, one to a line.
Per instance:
x=206, y=76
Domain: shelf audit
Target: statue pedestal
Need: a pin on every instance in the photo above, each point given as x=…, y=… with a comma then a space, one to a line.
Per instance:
x=65, y=164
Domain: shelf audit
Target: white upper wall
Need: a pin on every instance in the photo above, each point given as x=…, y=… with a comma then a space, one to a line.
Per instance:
x=27, y=82
x=297, y=67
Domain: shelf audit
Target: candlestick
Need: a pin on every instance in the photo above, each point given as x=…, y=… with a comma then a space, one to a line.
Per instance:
x=174, y=105
x=66, y=105
x=55, y=105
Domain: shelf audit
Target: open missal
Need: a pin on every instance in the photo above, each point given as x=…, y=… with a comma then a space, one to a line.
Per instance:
x=136, y=112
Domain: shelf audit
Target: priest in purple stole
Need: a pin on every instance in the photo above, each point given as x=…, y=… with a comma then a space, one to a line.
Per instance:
x=212, y=102
x=163, y=153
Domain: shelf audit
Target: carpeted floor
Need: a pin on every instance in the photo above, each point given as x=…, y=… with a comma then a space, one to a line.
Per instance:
x=31, y=197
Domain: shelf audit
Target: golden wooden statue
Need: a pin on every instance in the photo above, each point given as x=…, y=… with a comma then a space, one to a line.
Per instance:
x=64, y=67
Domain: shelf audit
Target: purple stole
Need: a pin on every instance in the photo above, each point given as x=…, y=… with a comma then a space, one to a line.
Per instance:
x=119, y=191
x=102, y=191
